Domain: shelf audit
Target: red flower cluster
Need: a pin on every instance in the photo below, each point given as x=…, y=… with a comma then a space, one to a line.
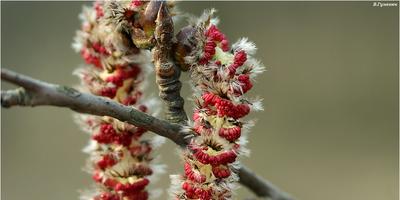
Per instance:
x=120, y=158
x=214, y=37
x=222, y=76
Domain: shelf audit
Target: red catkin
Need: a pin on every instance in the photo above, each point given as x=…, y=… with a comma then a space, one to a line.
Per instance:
x=113, y=74
x=222, y=78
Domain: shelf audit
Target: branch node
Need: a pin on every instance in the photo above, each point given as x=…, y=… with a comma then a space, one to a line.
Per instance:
x=17, y=96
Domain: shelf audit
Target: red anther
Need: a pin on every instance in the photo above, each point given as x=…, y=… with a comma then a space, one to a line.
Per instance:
x=219, y=159
x=206, y=195
x=210, y=47
x=99, y=48
x=97, y=177
x=240, y=58
x=142, y=108
x=130, y=100
x=203, y=61
x=225, y=158
x=106, y=161
x=105, y=134
x=103, y=50
x=197, y=128
x=230, y=134
x=196, y=115
x=241, y=110
x=190, y=190
x=213, y=159
x=224, y=107
x=243, y=78
x=218, y=62
x=214, y=33
x=96, y=45
x=185, y=186
x=111, y=183
x=109, y=92
x=194, y=192
x=96, y=62
x=99, y=10
x=132, y=72
x=201, y=156
x=232, y=69
x=120, y=75
x=123, y=138
x=143, y=170
x=119, y=187
x=225, y=45
x=193, y=175
x=221, y=171
x=198, y=191
x=132, y=188
x=141, y=195
x=202, y=130
x=218, y=36
x=137, y=3
x=211, y=30
x=90, y=59
x=106, y=196
x=227, y=108
x=245, y=84
x=207, y=56
x=139, y=132
x=116, y=79
x=210, y=98
x=209, y=52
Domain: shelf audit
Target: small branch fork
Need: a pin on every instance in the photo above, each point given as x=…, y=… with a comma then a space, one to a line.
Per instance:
x=34, y=92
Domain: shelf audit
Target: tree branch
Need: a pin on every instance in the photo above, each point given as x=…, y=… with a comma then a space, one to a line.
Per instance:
x=261, y=187
x=36, y=93
x=42, y=93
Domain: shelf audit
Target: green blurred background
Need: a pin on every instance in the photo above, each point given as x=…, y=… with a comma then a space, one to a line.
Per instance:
x=330, y=126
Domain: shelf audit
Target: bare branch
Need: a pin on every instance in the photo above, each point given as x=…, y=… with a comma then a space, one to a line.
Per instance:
x=41, y=93
x=36, y=93
x=261, y=187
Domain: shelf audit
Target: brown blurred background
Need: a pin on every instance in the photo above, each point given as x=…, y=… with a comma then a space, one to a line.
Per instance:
x=330, y=126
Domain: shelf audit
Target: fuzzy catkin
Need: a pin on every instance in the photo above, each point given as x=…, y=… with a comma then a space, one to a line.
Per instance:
x=115, y=68
x=220, y=75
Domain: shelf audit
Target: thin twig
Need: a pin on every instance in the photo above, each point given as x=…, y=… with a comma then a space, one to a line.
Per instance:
x=36, y=93
x=257, y=185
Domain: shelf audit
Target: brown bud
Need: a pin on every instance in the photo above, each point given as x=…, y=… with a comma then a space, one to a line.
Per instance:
x=165, y=29
x=150, y=16
x=143, y=30
x=184, y=46
x=141, y=40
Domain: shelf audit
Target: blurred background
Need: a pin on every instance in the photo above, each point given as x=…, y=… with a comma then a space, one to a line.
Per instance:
x=330, y=126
